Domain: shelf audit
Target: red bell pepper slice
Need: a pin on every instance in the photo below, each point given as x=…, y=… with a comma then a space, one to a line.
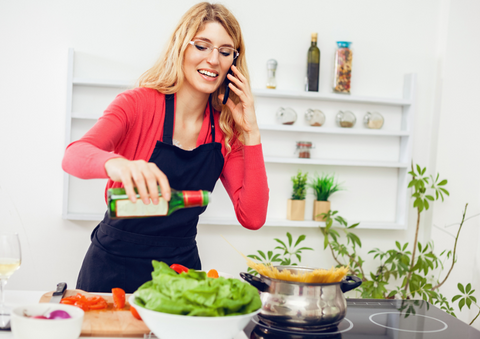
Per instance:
x=179, y=268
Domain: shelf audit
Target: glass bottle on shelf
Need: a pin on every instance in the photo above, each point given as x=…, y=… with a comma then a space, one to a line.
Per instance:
x=271, y=69
x=303, y=149
x=286, y=116
x=346, y=119
x=343, y=67
x=373, y=120
x=314, y=117
x=313, y=66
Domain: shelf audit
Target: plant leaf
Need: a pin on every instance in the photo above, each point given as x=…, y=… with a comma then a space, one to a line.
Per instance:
x=289, y=236
x=300, y=239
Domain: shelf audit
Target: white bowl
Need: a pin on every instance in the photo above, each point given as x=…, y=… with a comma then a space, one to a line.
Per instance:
x=28, y=328
x=173, y=326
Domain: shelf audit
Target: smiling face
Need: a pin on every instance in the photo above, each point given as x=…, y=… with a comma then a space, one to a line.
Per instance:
x=205, y=71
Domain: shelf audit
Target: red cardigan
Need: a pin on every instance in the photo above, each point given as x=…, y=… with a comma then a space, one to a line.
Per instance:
x=130, y=128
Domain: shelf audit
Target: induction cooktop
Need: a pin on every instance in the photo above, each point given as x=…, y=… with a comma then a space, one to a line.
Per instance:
x=379, y=319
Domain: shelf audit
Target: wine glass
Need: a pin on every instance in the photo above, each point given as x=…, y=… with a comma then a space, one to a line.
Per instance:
x=10, y=260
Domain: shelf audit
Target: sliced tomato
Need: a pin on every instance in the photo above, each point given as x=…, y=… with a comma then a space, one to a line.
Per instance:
x=179, y=268
x=118, y=297
x=135, y=313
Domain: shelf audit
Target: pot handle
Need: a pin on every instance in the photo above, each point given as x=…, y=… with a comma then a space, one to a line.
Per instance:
x=255, y=281
x=349, y=283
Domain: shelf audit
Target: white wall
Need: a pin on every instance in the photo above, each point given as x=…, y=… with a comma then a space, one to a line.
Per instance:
x=124, y=38
x=457, y=149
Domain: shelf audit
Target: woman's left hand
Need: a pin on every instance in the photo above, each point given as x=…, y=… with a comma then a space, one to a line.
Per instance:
x=244, y=112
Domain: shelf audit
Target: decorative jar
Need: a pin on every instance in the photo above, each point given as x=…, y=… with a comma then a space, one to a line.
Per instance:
x=286, y=116
x=343, y=68
x=373, y=120
x=303, y=149
x=346, y=119
x=314, y=117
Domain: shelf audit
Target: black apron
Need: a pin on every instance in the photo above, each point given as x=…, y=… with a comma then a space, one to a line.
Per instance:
x=122, y=250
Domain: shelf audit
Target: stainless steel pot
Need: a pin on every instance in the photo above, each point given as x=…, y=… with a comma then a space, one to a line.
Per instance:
x=301, y=306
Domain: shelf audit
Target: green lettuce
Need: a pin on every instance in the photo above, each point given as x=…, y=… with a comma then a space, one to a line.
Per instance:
x=195, y=294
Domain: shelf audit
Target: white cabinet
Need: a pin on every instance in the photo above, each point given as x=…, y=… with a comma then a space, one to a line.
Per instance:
x=375, y=162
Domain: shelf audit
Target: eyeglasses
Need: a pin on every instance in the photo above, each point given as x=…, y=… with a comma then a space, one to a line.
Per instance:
x=207, y=48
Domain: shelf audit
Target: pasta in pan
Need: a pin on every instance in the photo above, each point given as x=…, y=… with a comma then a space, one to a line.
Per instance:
x=316, y=276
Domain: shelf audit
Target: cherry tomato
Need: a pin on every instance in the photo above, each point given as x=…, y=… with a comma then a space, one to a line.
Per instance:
x=118, y=297
x=179, y=268
x=212, y=273
x=135, y=313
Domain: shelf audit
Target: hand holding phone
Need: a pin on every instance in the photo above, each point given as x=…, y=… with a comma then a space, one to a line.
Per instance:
x=227, y=82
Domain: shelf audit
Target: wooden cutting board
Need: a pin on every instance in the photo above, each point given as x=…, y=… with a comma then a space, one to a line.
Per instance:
x=109, y=322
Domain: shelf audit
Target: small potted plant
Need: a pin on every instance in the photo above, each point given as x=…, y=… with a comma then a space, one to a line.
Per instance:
x=296, y=205
x=323, y=187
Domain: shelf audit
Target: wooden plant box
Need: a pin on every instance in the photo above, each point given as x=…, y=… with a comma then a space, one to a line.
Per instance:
x=320, y=207
x=296, y=209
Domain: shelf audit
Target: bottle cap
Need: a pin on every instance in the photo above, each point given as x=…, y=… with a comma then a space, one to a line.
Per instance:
x=343, y=44
x=314, y=37
x=272, y=64
x=207, y=198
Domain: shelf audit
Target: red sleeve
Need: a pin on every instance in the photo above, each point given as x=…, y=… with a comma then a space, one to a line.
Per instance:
x=86, y=157
x=245, y=180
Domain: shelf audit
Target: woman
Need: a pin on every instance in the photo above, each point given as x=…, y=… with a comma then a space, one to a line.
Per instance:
x=173, y=131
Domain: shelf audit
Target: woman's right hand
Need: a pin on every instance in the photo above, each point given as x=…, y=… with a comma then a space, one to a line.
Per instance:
x=145, y=176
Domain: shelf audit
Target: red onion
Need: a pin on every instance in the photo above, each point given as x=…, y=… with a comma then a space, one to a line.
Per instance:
x=59, y=314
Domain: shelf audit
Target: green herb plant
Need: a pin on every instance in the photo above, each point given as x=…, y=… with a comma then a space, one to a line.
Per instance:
x=324, y=186
x=299, y=185
x=284, y=254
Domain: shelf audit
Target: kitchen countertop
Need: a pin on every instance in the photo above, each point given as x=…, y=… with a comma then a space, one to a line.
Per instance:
x=14, y=298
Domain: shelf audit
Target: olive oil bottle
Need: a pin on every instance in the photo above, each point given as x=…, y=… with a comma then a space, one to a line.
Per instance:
x=313, y=66
x=119, y=206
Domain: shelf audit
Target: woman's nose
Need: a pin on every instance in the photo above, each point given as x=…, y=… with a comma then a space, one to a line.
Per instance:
x=213, y=58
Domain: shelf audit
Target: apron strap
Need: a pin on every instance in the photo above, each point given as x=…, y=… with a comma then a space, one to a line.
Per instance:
x=212, y=122
x=170, y=116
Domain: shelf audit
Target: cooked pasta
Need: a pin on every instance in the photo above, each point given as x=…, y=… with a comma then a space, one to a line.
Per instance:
x=316, y=276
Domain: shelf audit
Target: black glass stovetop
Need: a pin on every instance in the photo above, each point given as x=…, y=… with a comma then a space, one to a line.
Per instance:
x=379, y=319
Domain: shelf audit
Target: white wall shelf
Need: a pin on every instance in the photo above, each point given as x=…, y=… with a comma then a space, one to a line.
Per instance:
x=404, y=133
x=103, y=83
x=339, y=130
x=274, y=93
x=327, y=162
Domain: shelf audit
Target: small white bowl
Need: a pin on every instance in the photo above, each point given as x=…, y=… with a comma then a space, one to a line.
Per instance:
x=173, y=326
x=28, y=328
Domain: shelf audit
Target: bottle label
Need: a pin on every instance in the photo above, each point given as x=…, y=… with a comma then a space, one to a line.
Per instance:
x=125, y=208
x=192, y=198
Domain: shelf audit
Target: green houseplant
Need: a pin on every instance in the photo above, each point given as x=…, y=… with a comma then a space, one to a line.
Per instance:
x=323, y=187
x=296, y=205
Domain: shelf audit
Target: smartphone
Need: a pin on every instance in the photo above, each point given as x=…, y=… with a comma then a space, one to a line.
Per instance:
x=227, y=82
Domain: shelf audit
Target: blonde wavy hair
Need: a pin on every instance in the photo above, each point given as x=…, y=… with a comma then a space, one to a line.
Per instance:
x=167, y=76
